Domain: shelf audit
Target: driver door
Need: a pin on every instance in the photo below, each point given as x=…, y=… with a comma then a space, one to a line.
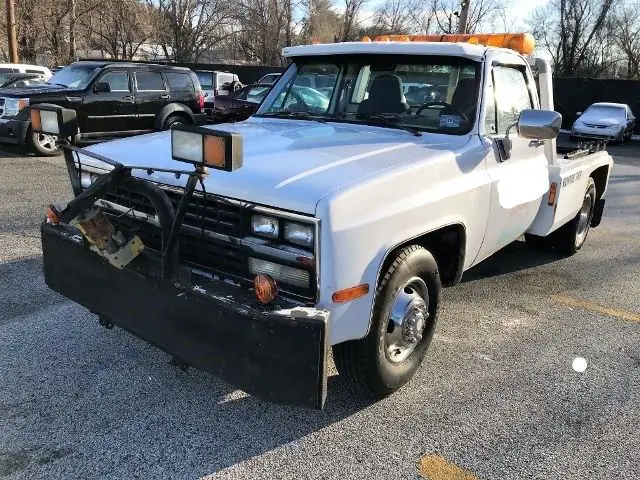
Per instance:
x=113, y=111
x=519, y=179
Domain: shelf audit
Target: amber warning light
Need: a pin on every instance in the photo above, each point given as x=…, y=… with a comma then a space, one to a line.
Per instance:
x=523, y=43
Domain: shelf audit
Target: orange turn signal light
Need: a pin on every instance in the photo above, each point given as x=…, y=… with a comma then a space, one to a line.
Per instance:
x=265, y=287
x=351, y=293
x=553, y=191
x=53, y=215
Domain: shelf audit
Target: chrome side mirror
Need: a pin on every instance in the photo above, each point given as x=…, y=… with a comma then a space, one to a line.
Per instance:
x=539, y=124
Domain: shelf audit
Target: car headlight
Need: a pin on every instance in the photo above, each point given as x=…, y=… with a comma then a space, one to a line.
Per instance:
x=87, y=178
x=12, y=106
x=265, y=226
x=299, y=234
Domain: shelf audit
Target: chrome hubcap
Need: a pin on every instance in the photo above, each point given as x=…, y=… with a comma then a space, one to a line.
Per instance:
x=47, y=142
x=407, y=319
x=584, y=219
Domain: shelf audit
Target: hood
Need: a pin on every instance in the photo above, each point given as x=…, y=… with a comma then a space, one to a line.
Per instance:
x=35, y=90
x=287, y=164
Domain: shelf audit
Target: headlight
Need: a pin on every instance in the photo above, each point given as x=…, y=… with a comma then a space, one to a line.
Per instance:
x=299, y=234
x=265, y=226
x=12, y=106
x=87, y=178
x=281, y=273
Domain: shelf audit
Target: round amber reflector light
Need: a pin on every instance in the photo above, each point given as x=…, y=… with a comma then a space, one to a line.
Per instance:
x=266, y=288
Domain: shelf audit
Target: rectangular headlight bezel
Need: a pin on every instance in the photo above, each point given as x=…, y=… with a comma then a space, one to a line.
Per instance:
x=290, y=231
x=257, y=219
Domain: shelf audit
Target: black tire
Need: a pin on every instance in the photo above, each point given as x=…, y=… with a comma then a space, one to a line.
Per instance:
x=365, y=362
x=570, y=238
x=233, y=86
x=175, y=120
x=42, y=145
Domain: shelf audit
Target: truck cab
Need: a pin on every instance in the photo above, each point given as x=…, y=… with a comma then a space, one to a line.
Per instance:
x=332, y=224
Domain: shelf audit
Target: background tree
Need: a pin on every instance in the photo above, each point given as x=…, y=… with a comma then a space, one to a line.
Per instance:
x=573, y=33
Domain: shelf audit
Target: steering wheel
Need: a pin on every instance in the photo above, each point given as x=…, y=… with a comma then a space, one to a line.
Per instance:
x=443, y=104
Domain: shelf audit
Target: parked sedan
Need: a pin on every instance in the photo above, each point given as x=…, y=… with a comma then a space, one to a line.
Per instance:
x=241, y=104
x=604, y=121
x=10, y=80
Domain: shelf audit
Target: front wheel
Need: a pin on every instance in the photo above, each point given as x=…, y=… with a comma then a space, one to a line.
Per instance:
x=403, y=323
x=43, y=144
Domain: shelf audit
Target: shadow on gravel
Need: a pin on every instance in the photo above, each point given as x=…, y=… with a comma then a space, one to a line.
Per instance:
x=23, y=289
x=72, y=386
x=515, y=257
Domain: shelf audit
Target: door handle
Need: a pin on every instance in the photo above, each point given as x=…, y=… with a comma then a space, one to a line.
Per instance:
x=165, y=97
x=128, y=97
x=536, y=143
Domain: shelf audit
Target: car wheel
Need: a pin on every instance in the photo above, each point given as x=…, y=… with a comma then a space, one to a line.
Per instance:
x=570, y=238
x=174, y=120
x=403, y=323
x=43, y=144
x=234, y=86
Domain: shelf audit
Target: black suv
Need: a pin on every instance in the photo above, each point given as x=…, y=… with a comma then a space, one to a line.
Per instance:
x=111, y=99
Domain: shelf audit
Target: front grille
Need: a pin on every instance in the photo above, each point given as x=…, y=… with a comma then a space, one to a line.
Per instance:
x=214, y=215
x=197, y=247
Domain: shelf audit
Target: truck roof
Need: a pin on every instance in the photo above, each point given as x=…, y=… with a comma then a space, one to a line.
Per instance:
x=459, y=49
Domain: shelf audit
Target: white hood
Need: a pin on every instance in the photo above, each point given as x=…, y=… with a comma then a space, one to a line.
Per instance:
x=288, y=164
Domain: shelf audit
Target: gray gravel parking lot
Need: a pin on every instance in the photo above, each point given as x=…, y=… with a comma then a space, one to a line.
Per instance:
x=497, y=397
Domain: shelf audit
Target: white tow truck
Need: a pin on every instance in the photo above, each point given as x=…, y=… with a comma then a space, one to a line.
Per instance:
x=324, y=224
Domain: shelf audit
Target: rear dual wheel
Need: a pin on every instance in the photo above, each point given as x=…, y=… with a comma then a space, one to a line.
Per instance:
x=402, y=326
x=570, y=238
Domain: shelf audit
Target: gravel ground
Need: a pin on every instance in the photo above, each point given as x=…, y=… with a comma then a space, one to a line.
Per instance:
x=497, y=395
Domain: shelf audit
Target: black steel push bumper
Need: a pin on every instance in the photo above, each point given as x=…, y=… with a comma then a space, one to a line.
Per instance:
x=277, y=353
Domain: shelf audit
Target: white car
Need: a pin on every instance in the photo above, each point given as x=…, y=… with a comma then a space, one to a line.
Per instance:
x=44, y=72
x=324, y=225
x=270, y=78
x=604, y=121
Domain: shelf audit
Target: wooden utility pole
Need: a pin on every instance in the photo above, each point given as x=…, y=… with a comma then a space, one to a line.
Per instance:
x=464, y=15
x=12, y=41
x=72, y=30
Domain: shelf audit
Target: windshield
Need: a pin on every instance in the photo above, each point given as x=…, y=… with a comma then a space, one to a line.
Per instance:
x=74, y=76
x=422, y=93
x=596, y=112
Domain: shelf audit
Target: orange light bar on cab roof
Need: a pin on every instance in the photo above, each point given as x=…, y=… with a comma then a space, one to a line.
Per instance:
x=523, y=43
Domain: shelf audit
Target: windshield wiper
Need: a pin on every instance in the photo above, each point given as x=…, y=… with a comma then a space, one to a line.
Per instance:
x=59, y=84
x=295, y=115
x=389, y=120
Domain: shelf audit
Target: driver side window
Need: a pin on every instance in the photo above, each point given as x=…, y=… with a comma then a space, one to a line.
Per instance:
x=512, y=96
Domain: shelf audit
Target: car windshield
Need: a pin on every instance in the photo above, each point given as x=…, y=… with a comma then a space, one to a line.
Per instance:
x=422, y=93
x=596, y=112
x=74, y=76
